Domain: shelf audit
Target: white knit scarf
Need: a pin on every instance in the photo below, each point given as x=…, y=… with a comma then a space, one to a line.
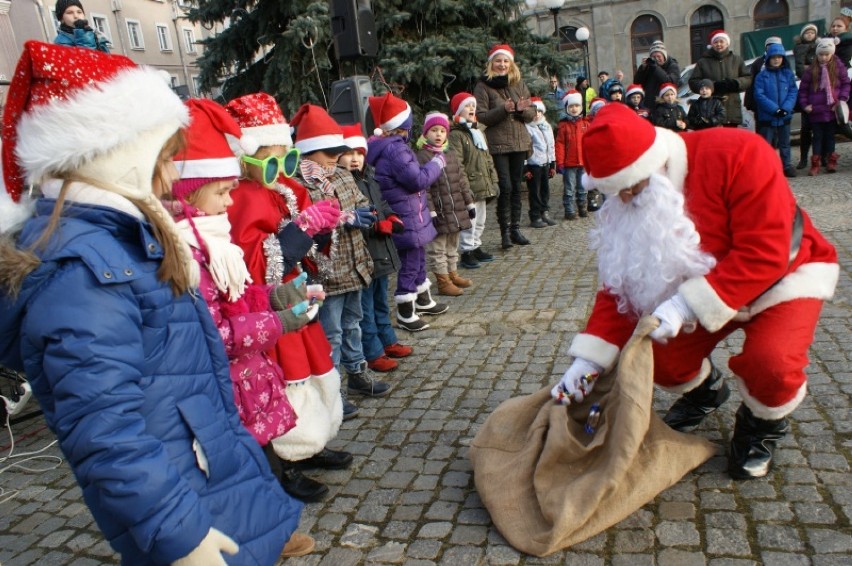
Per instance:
x=224, y=259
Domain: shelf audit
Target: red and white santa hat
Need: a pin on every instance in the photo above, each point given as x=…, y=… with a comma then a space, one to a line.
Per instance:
x=615, y=162
x=208, y=155
x=389, y=112
x=717, y=34
x=572, y=97
x=459, y=101
x=596, y=104
x=538, y=103
x=261, y=120
x=635, y=89
x=666, y=87
x=67, y=108
x=317, y=131
x=501, y=49
x=353, y=137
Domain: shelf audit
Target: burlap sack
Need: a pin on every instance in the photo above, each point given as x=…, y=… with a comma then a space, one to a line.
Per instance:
x=549, y=485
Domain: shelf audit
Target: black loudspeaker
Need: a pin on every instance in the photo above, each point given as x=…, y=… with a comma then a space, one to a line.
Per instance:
x=349, y=101
x=354, y=29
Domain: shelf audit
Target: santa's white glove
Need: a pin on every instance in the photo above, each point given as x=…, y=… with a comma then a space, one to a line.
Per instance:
x=209, y=551
x=673, y=315
x=577, y=383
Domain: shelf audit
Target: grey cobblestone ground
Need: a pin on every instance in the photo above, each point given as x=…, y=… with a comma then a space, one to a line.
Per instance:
x=409, y=497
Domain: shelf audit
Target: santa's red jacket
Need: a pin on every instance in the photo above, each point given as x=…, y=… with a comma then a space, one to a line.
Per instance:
x=743, y=209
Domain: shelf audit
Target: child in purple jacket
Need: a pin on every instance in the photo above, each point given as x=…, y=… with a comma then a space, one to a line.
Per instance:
x=405, y=186
x=824, y=84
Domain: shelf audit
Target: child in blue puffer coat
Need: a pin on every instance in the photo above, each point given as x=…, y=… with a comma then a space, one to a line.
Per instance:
x=405, y=186
x=74, y=28
x=775, y=94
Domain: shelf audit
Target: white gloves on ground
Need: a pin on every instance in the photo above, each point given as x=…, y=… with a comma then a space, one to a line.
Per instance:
x=577, y=383
x=673, y=315
x=209, y=551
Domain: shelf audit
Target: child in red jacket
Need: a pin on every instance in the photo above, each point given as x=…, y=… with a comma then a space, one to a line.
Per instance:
x=569, y=160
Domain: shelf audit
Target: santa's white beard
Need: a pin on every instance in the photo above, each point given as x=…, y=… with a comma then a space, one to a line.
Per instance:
x=647, y=247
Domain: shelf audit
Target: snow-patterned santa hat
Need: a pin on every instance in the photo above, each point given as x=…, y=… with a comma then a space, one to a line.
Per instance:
x=208, y=155
x=572, y=97
x=317, y=131
x=261, y=120
x=65, y=108
x=353, y=137
x=459, y=101
x=717, y=34
x=501, y=49
x=635, y=89
x=666, y=87
x=389, y=112
x=538, y=103
x=615, y=162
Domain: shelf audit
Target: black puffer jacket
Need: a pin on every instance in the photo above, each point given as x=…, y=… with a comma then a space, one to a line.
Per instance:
x=450, y=195
x=652, y=76
x=705, y=113
x=381, y=247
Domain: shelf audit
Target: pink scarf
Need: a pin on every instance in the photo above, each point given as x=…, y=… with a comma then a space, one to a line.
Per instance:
x=825, y=84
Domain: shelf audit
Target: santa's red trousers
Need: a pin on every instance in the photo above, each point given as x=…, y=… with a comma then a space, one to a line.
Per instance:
x=773, y=358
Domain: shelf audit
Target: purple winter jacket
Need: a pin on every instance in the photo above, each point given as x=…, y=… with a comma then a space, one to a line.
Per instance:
x=822, y=112
x=405, y=186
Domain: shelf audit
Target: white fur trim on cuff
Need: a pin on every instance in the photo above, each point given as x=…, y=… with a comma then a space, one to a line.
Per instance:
x=711, y=310
x=809, y=281
x=594, y=349
x=406, y=298
x=699, y=378
x=424, y=286
x=761, y=411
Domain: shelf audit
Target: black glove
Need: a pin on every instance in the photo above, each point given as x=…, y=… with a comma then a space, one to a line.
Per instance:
x=82, y=24
x=732, y=85
x=720, y=87
x=435, y=221
x=471, y=212
x=780, y=113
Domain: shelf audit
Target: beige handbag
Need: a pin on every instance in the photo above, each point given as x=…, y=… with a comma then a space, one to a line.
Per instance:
x=549, y=484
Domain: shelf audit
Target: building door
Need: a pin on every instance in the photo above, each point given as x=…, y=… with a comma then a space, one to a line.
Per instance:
x=703, y=22
x=771, y=14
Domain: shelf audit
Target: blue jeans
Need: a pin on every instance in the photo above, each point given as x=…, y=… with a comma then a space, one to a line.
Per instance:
x=778, y=137
x=573, y=191
x=376, y=329
x=340, y=317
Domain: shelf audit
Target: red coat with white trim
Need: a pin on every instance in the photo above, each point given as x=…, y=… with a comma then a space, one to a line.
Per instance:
x=743, y=210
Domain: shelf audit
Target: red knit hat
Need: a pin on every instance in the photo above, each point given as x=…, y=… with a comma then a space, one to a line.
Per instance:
x=433, y=119
x=635, y=89
x=667, y=86
x=620, y=149
x=353, y=137
x=317, y=131
x=389, y=112
x=260, y=119
x=716, y=34
x=459, y=101
x=66, y=107
x=208, y=155
x=501, y=49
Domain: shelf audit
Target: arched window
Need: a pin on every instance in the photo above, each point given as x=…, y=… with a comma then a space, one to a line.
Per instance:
x=770, y=14
x=703, y=22
x=568, y=42
x=646, y=29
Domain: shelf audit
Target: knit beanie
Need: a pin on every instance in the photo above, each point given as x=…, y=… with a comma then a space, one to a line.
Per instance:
x=826, y=45
x=435, y=119
x=62, y=5
x=807, y=27
x=706, y=83
x=658, y=47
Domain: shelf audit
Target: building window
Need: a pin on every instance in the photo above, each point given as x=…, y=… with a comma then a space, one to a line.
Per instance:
x=771, y=14
x=163, y=37
x=196, y=85
x=189, y=39
x=134, y=32
x=101, y=25
x=646, y=29
x=704, y=21
x=568, y=42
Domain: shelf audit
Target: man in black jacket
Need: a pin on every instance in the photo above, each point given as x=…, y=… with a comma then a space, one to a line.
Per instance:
x=655, y=71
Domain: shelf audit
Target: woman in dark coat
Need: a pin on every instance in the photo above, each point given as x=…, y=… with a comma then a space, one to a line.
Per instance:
x=728, y=72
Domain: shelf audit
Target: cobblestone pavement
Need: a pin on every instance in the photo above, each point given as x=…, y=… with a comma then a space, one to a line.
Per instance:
x=409, y=496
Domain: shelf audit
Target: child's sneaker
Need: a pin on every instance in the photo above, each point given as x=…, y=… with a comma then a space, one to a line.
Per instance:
x=398, y=350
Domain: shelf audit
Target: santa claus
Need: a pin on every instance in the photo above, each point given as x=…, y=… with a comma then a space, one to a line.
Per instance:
x=702, y=231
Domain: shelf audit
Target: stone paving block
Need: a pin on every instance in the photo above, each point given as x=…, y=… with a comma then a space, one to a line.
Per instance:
x=779, y=537
x=399, y=530
x=676, y=510
x=391, y=552
x=31, y=556
x=727, y=542
x=462, y=555
x=359, y=536
x=83, y=561
x=784, y=559
x=583, y=559
x=674, y=557
x=633, y=560
x=771, y=511
x=427, y=549
x=725, y=520
x=677, y=533
x=633, y=540
x=442, y=511
x=342, y=557
x=55, y=538
x=468, y=534
x=810, y=513
x=438, y=529
x=716, y=500
x=829, y=541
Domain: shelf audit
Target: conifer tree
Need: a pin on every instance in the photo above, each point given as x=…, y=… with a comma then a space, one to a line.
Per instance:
x=428, y=49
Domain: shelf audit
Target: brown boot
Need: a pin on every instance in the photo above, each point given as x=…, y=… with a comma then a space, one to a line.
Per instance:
x=298, y=545
x=460, y=281
x=446, y=286
x=831, y=166
x=815, y=163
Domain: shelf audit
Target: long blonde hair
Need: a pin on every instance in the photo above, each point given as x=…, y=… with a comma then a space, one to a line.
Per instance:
x=514, y=73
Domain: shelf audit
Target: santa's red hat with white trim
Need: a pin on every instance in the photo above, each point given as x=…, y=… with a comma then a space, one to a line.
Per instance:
x=501, y=49
x=208, y=155
x=635, y=89
x=460, y=101
x=719, y=34
x=61, y=114
x=389, y=112
x=317, y=131
x=261, y=120
x=615, y=162
x=572, y=97
x=667, y=87
x=353, y=137
x=538, y=103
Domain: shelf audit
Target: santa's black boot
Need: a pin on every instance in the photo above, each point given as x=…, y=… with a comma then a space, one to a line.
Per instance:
x=688, y=411
x=753, y=444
